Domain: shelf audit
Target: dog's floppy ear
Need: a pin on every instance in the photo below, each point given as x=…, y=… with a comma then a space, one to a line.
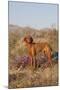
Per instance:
x=28, y=39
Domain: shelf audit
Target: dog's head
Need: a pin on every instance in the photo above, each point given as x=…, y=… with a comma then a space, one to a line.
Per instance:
x=28, y=40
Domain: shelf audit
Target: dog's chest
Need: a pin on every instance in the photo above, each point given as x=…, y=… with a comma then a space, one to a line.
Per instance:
x=32, y=50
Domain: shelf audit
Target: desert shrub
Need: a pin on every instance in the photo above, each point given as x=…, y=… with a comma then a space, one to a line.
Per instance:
x=12, y=77
x=41, y=59
x=22, y=61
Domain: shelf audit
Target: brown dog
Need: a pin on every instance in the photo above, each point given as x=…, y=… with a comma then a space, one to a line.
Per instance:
x=34, y=48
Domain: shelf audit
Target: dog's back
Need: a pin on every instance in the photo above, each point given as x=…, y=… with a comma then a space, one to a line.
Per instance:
x=39, y=47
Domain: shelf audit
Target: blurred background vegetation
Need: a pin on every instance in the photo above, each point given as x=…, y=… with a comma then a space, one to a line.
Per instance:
x=16, y=34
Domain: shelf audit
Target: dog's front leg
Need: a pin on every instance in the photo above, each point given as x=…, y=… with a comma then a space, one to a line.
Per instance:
x=31, y=62
x=34, y=62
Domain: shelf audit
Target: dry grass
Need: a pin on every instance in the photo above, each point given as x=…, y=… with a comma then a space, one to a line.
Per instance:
x=28, y=78
x=25, y=77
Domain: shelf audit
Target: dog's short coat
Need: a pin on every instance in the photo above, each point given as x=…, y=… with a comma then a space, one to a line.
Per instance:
x=34, y=48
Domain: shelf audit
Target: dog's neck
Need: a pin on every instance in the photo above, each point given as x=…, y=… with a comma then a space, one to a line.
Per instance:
x=29, y=45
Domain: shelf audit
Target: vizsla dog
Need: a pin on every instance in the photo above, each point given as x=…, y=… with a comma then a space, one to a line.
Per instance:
x=34, y=48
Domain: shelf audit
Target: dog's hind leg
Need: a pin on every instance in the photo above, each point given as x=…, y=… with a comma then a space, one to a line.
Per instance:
x=47, y=52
